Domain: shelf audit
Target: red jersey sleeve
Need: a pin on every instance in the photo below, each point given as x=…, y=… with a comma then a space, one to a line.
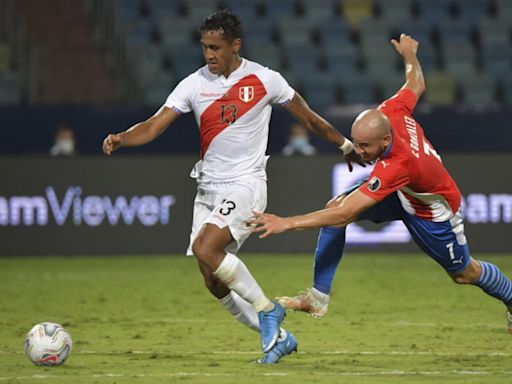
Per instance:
x=386, y=178
x=404, y=100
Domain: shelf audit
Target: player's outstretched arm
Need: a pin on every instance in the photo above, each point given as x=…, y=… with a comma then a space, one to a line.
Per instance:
x=318, y=125
x=141, y=133
x=407, y=47
x=348, y=211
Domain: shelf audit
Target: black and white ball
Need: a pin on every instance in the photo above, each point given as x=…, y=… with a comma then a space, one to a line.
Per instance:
x=48, y=344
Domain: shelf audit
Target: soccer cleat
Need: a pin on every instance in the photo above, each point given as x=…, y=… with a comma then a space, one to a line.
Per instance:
x=311, y=301
x=509, y=321
x=282, y=348
x=270, y=324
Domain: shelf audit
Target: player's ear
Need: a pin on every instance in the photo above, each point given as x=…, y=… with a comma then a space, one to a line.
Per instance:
x=236, y=45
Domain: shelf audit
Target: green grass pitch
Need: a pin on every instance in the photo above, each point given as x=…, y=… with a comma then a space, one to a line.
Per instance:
x=147, y=319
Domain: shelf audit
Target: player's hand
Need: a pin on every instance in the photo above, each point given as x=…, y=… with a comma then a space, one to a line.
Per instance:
x=267, y=223
x=353, y=157
x=406, y=45
x=111, y=143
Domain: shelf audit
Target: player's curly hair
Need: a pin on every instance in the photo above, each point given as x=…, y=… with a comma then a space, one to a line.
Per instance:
x=224, y=20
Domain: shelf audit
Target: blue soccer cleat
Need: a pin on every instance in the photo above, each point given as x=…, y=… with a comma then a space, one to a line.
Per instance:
x=282, y=348
x=270, y=323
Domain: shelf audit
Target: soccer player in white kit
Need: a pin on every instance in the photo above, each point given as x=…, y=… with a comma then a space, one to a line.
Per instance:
x=232, y=98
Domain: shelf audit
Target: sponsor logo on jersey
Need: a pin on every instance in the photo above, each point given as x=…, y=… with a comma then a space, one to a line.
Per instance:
x=246, y=94
x=374, y=184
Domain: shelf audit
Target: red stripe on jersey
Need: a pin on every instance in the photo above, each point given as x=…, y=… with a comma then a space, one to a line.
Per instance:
x=238, y=100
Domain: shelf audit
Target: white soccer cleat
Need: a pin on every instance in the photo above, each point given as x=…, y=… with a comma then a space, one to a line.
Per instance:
x=311, y=301
x=509, y=321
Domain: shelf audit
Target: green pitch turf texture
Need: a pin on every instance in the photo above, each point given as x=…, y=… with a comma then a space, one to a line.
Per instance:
x=147, y=319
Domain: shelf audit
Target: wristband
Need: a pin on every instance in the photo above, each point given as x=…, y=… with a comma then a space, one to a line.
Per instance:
x=347, y=147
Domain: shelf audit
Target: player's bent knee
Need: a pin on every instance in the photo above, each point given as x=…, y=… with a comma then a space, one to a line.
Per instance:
x=470, y=275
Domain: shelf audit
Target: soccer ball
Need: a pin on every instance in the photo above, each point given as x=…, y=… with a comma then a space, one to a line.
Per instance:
x=48, y=344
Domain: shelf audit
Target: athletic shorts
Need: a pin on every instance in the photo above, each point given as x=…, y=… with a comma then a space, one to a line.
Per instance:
x=444, y=241
x=228, y=205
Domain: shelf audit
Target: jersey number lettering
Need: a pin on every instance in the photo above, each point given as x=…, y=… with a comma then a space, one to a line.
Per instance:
x=227, y=207
x=228, y=113
x=430, y=151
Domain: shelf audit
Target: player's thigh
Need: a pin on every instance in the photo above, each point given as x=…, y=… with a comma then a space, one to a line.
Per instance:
x=236, y=205
x=444, y=241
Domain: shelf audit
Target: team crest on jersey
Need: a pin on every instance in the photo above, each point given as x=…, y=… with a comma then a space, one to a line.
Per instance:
x=246, y=94
x=374, y=184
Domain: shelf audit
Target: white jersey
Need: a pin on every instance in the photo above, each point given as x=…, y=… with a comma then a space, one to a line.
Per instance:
x=233, y=116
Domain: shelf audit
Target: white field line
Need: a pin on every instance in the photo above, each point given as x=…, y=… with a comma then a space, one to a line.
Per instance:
x=324, y=353
x=265, y=374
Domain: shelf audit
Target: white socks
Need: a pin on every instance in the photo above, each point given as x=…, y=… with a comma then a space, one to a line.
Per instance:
x=233, y=272
x=241, y=310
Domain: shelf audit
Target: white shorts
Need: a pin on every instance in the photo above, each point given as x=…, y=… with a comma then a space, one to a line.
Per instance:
x=228, y=204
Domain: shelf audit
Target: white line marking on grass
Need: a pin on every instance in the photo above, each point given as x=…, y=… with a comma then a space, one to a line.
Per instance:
x=255, y=373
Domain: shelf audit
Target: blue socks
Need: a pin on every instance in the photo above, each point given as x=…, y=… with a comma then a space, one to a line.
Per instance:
x=328, y=253
x=495, y=283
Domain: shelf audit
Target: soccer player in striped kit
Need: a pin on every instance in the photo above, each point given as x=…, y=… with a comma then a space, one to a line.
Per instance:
x=408, y=183
x=232, y=99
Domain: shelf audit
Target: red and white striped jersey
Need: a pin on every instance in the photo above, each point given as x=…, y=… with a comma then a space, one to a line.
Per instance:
x=412, y=167
x=233, y=116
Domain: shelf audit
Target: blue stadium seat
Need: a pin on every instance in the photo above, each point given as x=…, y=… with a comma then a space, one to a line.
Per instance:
x=276, y=10
x=162, y=8
x=138, y=33
x=504, y=9
x=319, y=90
x=372, y=34
x=258, y=32
x=454, y=31
x=434, y=10
x=428, y=56
x=506, y=87
x=185, y=61
x=494, y=32
x=395, y=12
x=319, y=11
x=472, y=10
x=497, y=61
x=303, y=60
x=459, y=59
x=197, y=10
x=245, y=9
x=420, y=30
x=479, y=90
x=357, y=89
x=390, y=83
x=127, y=10
x=266, y=54
x=334, y=33
x=294, y=31
x=175, y=32
x=342, y=60
x=157, y=91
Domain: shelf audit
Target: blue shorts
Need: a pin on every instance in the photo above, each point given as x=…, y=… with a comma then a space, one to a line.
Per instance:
x=443, y=241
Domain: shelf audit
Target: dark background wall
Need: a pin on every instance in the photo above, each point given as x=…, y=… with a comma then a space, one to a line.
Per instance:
x=118, y=195
x=31, y=129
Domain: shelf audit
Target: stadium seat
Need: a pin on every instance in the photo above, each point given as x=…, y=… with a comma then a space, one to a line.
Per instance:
x=127, y=10
x=303, y=60
x=434, y=10
x=356, y=11
x=357, y=89
x=185, y=61
x=342, y=60
x=276, y=10
x=472, y=10
x=479, y=90
x=175, y=32
x=157, y=91
x=373, y=33
x=459, y=59
x=267, y=54
x=428, y=56
x=388, y=85
x=295, y=31
x=420, y=30
x=162, y=8
x=319, y=11
x=245, y=9
x=334, y=33
x=395, y=12
x=440, y=89
x=319, y=90
x=503, y=9
x=148, y=62
x=258, y=32
x=454, y=31
x=494, y=32
x=197, y=10
x=506, y=87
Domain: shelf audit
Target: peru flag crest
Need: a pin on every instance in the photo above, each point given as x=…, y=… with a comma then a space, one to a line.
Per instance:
x=246, y=93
